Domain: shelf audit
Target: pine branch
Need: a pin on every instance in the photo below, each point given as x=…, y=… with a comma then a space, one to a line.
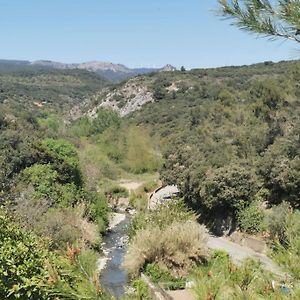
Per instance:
x=262, y=17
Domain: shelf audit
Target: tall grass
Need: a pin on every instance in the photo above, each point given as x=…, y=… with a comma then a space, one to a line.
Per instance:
x=175, y=248
x=163, y=216
x=141, y=156
x=284, y=227
x=219, y=279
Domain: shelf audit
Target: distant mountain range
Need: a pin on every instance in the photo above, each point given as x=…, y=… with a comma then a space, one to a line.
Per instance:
x=111, y=71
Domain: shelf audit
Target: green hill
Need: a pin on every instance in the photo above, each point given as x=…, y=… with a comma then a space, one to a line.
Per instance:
x=230, y=135
x=55, y=90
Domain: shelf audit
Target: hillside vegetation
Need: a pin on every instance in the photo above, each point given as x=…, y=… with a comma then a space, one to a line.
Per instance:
x=232, y=134
x=50, y=89
x=56, y=179
x=230, y=141
x=228, y=137
x=51, y=221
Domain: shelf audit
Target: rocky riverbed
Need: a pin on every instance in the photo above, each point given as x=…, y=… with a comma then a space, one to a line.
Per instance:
x=112, y=276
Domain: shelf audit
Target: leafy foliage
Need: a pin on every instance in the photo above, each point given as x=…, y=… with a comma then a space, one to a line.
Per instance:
x=64, y=159
x=230, y=187
x=29, y=271
x=140, y=291
x=88, y=127
x=22, y=261
x=251, y=218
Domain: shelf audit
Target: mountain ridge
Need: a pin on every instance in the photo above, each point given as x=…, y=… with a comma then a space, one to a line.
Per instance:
x=111, y=71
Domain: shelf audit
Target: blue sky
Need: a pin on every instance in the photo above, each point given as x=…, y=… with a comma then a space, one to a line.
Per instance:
x=136, y=33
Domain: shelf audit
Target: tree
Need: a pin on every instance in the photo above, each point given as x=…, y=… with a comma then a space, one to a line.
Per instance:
x=230, y=188
x=276, y=19
x=64, y=159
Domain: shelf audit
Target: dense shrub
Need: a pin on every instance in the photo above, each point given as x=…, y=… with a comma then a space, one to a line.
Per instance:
x=163, y=216
x=164, y=278
x=175, y=248
x=276, y=222
x=282, y=176
x=251, y=218
x=16, y=151
x=99, y=211
x=45, y=182
x=64, y=159
x=231, y=187
x=103, y=120
x=29, y=271
x=23, y=258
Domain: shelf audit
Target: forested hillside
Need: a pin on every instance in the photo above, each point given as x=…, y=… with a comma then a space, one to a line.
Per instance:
x=55, y=90
x=231, y=144
x=229, y=128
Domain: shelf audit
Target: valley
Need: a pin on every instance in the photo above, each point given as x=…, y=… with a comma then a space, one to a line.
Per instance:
x=77, y=148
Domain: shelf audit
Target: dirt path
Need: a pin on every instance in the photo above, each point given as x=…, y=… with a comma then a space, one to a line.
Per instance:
x=130, y=185
x=182, y=295
x=239, y=253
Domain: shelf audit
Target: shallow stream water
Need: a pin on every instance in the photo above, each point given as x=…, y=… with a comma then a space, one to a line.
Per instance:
x=113, y=278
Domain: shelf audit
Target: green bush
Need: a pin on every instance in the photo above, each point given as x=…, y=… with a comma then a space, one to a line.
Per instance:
x=42, y=177
x=163, y=216
x=45, y=181
x=164, y=278
x=23, y=272
x=103, y=120
x=52, y=123
x=99, y=211
x=29, y=271
x=251, y=218
x=141, y=291
x=276, y=221
x=231, y=187
x=64, y=159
